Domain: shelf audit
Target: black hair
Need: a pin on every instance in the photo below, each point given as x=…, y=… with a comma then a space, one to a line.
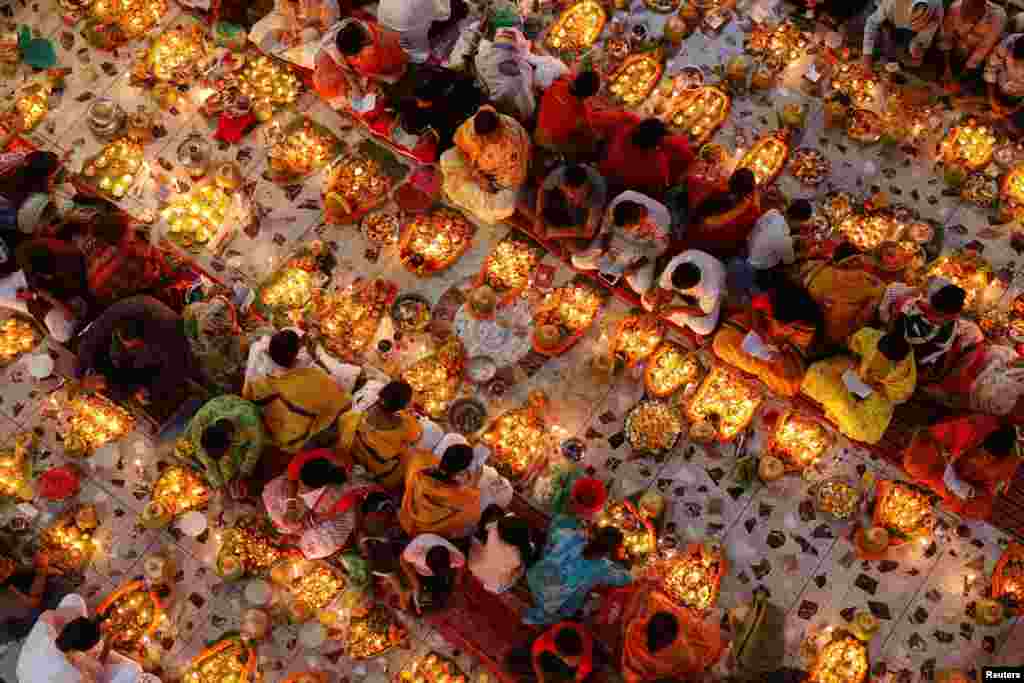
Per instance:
x=217, y=437
x=41, y=260
x=79, y=635
x=31, y=177
x=130, y=329
x=799, y=210
x=575, y=175
x=843, y=251
x=605, y=542
x=628, y=212
x=321, y=472
x=485, y=122
x=1018, y=49
x=557, y=211
x=742, y=182
x=413, y=117
x=351, y=39
x=456, y=458
x=586, y=84
x=376, y=502
x=394, y=396
x=109, y=228
x=791, y=303
x=439, y=560
x=894, y=345
x=662, y=631
x=284, y=348
x=1002, y=442
x=568, y=642
x=949, y=300
x=686, y=276
x=515, y=531
x=648, y=134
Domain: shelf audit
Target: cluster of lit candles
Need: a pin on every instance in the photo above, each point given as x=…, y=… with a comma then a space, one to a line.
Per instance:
x=578, y=27
x=70, y=541
x=669, y=369
x=291, y=289
x=134, y=18
x=95, y=421
x=970, y=146
x=178, y=54
x=573, y=306
x=355, y=182
x=435, y=380
x=518, y=439
x=725, y=394
x=31, y=107
x=17, y=336
x=509, y=266
x=800, y=440
x=638, y=538
x=196, y=216
x=431, y=668
x=859, y=84
x=248, y=547
x=311, y=586
x=349, y=319
x=904, y=510
x=964, y=269
x=116, y=167
x=132, y=612
x=780, y=45
x=843, y=660
x=435, y=240
x=766, y=158
x=868, y=231
x=373, y=634
x=635, y=78
x=267, y=83
x=229, y=661
x=180, y=490
x=638, y=336
x=1012, y=191
x=303, y=151
x=692, y=578
x=14, y=469
x=700, y=112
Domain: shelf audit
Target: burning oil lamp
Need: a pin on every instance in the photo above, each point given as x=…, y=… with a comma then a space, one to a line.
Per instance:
x=1008, y=579
x=699, y=113
x=435, y=380
x=969, y=146
x=16, y=468
x=131, y=18
x=568, y=311
x=432, y=242
x=843, y=660
x=303, y=151
x=799, y=440
x=508, y=268
x=291, y=289
x=70, y=541
x=116, y=167
x=432, y=667
x=857, y=83
x=903, y=510
x=17, y=336
x=520, y=439
x=348, y=320
x=374, y=633
x=354, y=184
x=267, y=83
x=230, y=660
x=638, y=537
x=196, y=217
x=767, y=157
x=93, y=421
x=637, y=337
x=250, y=547
x=178, y=55
x=636, y=77
x=779, y=46
x=132, y=613
x=31, y=106
x=578, y=27
x=1011, y=192
x=180, y=490
x=965, y=269
x=310, y=586
x=670, y=368
x=693, y=577
x=730, y=397
x=868, y=231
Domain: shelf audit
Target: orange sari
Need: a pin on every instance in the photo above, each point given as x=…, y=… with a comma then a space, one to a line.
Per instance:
x=383, y=57
x=726, y=233
x=960, y=441
x=785, y=371
x=383, y=452
x=430, y=506
x=697, y=648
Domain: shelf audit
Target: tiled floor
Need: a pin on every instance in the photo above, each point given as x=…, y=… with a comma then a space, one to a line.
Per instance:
x=771, y=534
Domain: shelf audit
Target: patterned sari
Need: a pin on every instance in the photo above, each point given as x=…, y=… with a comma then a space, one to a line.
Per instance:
x=216, y=340
x=433, y=506
x=382, y=451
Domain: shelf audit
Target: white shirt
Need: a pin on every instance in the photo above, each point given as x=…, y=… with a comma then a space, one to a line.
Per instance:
x=416, y=553
x=708, y=291
x=260, y=364
x=510, y=72
x=898, y=13
x=770, y=243
x=497, y=564
x=403, y=15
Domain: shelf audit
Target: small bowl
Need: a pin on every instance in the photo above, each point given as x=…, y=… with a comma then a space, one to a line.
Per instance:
x=690, y=77
x=481, y=369
x=411, y=313
x=467, y=415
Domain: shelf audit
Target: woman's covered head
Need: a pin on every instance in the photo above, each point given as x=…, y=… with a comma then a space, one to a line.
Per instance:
x=284, y=348
x=792, y=304
x=558, y=211
x=395, y=396
x=321, y=472
x=894, y=345
x=948, y=299
x=799, y=211
x=605, y=542
x=662, y=631
x=515, y=531
x=79, y=635
x=218, y=437
x=109, y=229
x=351, y=39
x=568, y=642
x=628, y=212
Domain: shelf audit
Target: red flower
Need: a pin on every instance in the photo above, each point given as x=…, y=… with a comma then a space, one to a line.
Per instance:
x=588, y=496
x=59, y=483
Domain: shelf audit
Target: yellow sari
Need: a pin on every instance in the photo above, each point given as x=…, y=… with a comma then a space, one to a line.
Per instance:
x=297, y=405
x=784, y=372
x=862, y=419
x=430, y=506
x=848, y=296
x=381, y=451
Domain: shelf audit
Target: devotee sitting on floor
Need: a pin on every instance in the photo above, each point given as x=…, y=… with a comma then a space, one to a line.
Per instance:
x=441, y=101
x=565, y=652
x=721, y=224
x=511, y=73
x=301, y=408
x=499, y=560
x=570, y=204
x=379, y=437
x=136, y=348
x=967, y=461
x=485, y=170
x=771, y=339
x=661, y=640
x=1004, y=74
x=26, y=181
x=26, y=593
x=225, y=438
x=940, y=338
x=352, y=56
x=273, y=355
x=437, y=499
x=55, y=289
x=495, y=490
x=771, y=244
x=639, y=154
x=316, y=501
x=433, y=567
x=66, y=646
x=563, y=117
x=860, y=394
x=846, y=293
x=217, y=343
x=910, y=23
x=690, y=291
x=573, y=562
x=636, y=232
x=295, y=29
x=970, y=31
x=411, y=20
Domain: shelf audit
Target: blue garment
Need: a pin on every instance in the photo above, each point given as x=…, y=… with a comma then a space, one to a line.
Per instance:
x=562, y=580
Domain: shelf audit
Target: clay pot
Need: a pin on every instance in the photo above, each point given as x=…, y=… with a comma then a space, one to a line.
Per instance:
x=548, y=336
x=874, y=539
x=864, y=625
x=770, y=469
x=988, y=613
x=482, y=302
x=255, y=624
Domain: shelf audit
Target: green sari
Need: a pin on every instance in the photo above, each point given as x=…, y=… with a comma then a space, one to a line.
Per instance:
x=244, y=453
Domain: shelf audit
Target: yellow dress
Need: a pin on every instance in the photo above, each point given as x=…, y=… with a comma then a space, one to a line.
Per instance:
x=430, y=506
x=383, y=452
x=297, y=405
x=862, y=420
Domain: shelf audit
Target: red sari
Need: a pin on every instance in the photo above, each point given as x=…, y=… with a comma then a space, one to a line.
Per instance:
x=961, y=438
x=724, y=234
x=649, y=171
x=562, y=119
